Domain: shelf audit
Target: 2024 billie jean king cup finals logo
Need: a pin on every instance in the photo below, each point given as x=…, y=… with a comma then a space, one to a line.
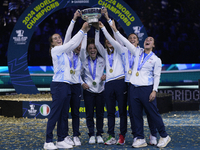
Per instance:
x=20, y=39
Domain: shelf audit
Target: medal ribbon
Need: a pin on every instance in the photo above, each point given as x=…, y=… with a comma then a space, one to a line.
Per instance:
x=145, y=59
x=93, y=74
x=75, y=60
x=131, y=60
x=70, y=63
x=110, y=59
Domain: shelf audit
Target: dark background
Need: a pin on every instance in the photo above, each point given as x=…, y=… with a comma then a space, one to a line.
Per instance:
x=175, y=25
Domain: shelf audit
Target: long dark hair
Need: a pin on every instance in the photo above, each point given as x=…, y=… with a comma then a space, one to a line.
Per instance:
x=90, y=41
x=108, y=51
x=50, y=43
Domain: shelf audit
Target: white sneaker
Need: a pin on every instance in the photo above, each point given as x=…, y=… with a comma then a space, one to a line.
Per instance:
x=152, y=140
x=49, y=145
x=62, y=144
x=99, y=140
x=139, y=143
x=92, y=140
x=134, y=139
x=163, y=141
x=77, y=141
x=68, y=140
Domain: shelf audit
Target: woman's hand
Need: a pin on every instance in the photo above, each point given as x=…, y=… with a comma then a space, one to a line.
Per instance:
x=85, y=86
x=105, y=12
x=152, y=96
x=103, y=78
x=86, y=27
x=77, y=14
x=101, y=24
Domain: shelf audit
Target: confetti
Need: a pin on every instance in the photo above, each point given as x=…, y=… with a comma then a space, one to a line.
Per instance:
x=25, y=133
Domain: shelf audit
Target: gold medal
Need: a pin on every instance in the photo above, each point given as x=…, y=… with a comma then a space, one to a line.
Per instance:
x=74, y=72
x=94, y=83
x=130, y=72
x=111, y=70
x=71, y=71
x=137, y=74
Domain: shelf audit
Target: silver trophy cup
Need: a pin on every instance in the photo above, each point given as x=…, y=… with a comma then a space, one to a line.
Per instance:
x=91, y=15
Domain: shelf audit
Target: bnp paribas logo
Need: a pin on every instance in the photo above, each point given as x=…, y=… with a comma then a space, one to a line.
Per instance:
x=80, y=1
x=20, y=38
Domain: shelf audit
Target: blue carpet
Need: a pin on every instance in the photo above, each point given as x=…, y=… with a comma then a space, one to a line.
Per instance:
x=29, y=134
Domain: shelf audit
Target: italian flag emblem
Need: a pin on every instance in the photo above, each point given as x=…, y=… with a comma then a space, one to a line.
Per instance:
x=44, y=110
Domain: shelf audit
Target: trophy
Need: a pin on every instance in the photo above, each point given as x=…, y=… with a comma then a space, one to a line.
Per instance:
x=91, y=15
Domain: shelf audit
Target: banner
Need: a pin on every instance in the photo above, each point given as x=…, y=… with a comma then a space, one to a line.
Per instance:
x=37, y=12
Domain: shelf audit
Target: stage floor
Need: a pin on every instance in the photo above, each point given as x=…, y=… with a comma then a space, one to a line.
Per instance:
x=22, y=133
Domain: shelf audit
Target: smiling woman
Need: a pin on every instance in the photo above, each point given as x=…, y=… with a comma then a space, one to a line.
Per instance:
x=91, y=48
x=36, y=47
x=143, y=86
x=93, y=88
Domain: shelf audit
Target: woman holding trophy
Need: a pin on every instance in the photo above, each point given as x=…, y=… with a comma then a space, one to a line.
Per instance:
x=115, y=87
x=74, y=59
x=93, y=77
x=61, y=87
x=93, y=88
x=144, y=84
x=129, y=62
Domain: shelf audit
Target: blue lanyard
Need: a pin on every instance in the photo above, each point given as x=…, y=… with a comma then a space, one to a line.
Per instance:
x=131, y=60
x=93, y=74
x=75, y=60
x=110, y=59
x=145, y=59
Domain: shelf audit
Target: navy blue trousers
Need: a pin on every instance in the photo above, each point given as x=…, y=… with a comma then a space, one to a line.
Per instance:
x=129, y=109
x=92, y=100
x=75, y=105
x=116, y=90
x=61, y=94
x=139, y=100
x=152, y=126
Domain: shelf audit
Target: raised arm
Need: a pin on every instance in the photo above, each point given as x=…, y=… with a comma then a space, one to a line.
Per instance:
x=83, y=48
x=114, y=43
x=98, y=44
x=71, y=26
x=104, y=11
x=130, y=46
x=73, y=43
